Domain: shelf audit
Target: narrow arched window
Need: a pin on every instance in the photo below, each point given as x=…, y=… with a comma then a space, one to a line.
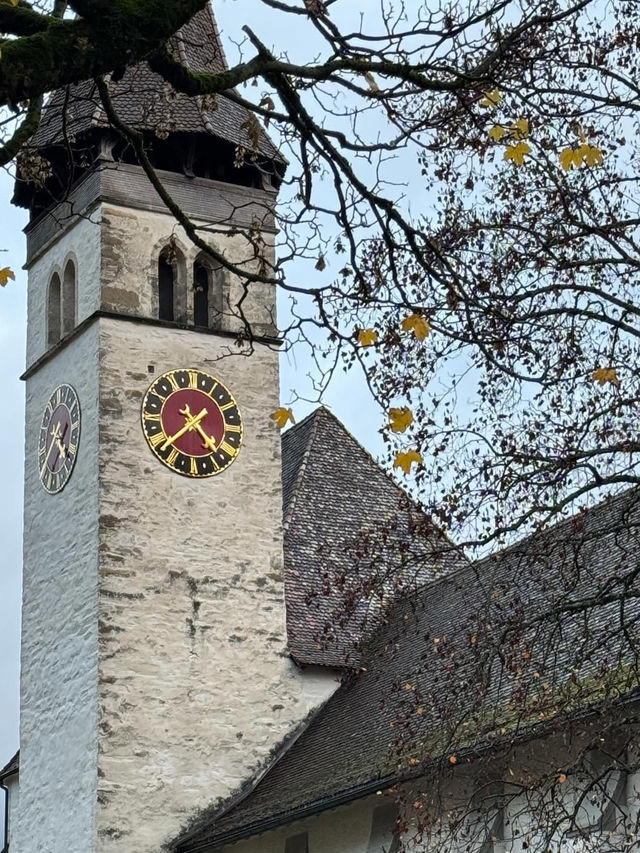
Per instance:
x=166, y=278
x=53, y=311
x=69, y=298
x=200, y=295
x=208, y=297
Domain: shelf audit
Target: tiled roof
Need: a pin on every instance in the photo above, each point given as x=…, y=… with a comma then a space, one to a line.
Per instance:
x=538, y=626
x=10, y=767
x=144, y=100
x=353, y=542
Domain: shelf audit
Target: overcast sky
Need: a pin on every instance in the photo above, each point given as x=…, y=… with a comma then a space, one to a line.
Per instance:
x=347, y=399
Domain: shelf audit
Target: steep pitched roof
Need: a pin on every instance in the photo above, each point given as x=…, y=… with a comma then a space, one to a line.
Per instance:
x=512, y=644
x=353, y=542
x=144, y=100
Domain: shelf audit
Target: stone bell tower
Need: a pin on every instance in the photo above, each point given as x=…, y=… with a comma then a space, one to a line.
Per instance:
x=155, y=676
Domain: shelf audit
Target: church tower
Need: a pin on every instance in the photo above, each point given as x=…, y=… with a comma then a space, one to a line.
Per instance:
x=155, y=673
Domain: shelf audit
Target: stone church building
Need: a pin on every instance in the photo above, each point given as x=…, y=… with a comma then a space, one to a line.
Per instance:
x=236, y=639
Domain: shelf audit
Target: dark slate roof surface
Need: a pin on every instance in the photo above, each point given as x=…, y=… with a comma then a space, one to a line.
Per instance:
x=144, y=100
x=539, y=626
x=353, y=542
x=11, y=767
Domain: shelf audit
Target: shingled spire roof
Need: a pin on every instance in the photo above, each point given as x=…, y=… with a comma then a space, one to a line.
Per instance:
x=353, y=543
x=145, y=101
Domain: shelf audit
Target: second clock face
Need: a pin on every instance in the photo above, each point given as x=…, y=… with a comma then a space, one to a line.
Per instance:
x=59, y=438
x=191, y=422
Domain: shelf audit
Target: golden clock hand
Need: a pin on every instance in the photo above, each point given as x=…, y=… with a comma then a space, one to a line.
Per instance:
x=208, y=440
x=192, y=422
x=55, y=436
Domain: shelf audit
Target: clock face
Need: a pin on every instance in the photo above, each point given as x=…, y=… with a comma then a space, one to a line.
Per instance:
x=59, y=438
x=191, y=423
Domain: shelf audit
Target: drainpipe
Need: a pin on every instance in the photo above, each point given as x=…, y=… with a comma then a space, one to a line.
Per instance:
x=5, y=839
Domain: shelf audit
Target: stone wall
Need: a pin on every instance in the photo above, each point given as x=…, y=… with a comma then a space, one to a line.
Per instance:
x=196, y=686
x=59, y=664
x=80, y=241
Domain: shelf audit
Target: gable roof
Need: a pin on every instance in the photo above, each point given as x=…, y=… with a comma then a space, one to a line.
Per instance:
x=353, y=542
x=500, y=649
x=145, y=101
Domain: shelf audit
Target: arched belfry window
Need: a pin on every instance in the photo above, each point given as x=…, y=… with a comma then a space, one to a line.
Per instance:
x=166, y=287
x=53, y=310
x=200, y=295
x=69, y=298
x=208, y=284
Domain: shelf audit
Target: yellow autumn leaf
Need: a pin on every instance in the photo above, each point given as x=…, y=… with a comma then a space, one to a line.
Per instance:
x=400, y=419
x=498, y=132
x=6, y=273
x=589, y=154
x=417, y=324
x=491, y=99
x=520, y=128
x=282, y=416
x=367, y=337
x=517, y=152
x=605, y=374
x=405, y=460
x=568, y=158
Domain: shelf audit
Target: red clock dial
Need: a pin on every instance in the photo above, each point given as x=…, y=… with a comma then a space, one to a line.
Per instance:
x=192, y=423
x=59, y=438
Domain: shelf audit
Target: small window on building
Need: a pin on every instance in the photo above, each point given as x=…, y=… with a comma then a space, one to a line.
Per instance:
x=488, y=804
x=166, y=278
x=384, y=830
x=69, y=298
x=297, y=843
x=200, y=295
x=208, y=293
x=53, y=310
x=595, y=796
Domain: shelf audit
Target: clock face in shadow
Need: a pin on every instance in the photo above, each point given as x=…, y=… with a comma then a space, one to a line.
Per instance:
x=192, y=423
x=59, y=439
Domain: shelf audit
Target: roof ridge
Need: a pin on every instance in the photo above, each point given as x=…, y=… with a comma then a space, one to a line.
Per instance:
x=286, y=521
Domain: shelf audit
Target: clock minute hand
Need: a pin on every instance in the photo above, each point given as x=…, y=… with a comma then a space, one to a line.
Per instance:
x=208, y=440
x=193, y=421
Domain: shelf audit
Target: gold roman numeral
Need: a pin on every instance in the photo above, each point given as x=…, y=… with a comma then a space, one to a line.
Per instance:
x=172, y=457
x=193, y=379
x=157, y=440
x=228, y=448
x=232, y=428
x=193, y=470
x=172, y=381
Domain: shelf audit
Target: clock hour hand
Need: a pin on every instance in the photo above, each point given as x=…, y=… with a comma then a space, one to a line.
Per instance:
x=55, y=437
x=208, y=441
x=192, y=422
